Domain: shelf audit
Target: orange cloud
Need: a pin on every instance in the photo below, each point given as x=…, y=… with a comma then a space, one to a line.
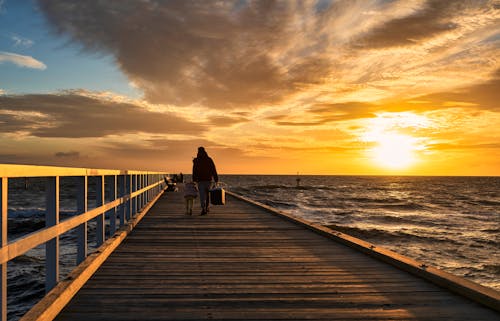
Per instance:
x=251, y=54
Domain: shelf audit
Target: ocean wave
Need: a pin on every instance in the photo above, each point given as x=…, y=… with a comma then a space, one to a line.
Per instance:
x=485, y=202
x=492, y=268
x=24, y=226
x=36, y=212
x=272, y=187
x=409, y=206
x=25, y=212
x=25, y=284
x=412, y=220
x=278, y=204
x=370, y=234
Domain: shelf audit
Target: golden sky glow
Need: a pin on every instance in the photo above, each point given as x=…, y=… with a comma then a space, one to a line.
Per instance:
x=316, y=87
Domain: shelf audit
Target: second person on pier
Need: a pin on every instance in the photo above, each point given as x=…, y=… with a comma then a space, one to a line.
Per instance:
x=203, y=172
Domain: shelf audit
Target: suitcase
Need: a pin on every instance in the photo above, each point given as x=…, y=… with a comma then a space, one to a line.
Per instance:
x=217, y=196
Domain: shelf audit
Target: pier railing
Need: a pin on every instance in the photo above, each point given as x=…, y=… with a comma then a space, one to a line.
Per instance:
x=128, y=193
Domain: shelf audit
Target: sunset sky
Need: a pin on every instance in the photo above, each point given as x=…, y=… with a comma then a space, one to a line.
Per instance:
x=407, y=87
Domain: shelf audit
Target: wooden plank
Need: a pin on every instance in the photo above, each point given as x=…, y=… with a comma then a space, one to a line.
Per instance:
x=240, y=263
x=474, y=291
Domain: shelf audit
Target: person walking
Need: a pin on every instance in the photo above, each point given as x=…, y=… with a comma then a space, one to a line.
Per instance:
x=203, y=172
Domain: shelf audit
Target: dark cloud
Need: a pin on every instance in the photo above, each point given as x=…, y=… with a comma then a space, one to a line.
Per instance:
x=434, y=18
x=227, y=121
x=74, y=115
x=9, y=159
x=184, y=52
x=71, y=154
x=14, y=123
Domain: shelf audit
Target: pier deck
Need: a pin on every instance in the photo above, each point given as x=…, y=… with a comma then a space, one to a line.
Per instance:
x=243, y=263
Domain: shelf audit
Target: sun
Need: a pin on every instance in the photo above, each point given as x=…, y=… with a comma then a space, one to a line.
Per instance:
x=391, y=136
x=394, y=151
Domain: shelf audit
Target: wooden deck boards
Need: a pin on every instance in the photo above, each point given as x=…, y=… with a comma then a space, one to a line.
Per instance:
x=241, y=263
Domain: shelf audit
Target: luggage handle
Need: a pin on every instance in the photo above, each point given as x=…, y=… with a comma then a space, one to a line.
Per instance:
x=219, y=184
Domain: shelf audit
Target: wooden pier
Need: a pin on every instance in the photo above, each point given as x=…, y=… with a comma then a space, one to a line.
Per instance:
x=241, y=262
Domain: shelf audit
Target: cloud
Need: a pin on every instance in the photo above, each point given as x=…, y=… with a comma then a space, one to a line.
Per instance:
x=22, y=42
x=227, y=121
x=484, y=96
x=21, y=61
x=318, y=114
x=165, y=154
x=249, y=54
x=433, y=18
x=462, y=147
x=71, y=154
x=9, y=158
x=184, y=52
x=80, y=114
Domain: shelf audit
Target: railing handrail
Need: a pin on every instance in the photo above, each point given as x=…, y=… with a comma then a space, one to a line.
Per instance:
x=130, y=191
x=16, y=171
x=27, y=242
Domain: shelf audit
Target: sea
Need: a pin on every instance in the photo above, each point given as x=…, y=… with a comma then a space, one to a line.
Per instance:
x=452, y=223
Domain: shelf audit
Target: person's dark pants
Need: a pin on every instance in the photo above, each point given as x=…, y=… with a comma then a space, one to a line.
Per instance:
x=203, y=188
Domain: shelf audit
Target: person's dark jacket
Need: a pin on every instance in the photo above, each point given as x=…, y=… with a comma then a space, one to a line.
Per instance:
x=204, y=169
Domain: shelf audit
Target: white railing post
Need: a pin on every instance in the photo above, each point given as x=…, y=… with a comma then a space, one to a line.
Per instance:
x=112, y=212
x=4, y=189
x=128, y=192
x=99, y=196
x=134, y=188
x=139, y=197
x=146, y=192
x=52, y=246
x=81, y=207
x=143, y=196
x=121, y=193
x=149, y=190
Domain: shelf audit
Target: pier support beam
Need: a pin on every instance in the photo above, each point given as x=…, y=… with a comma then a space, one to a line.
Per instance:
x=99, y=200
x=121, y=193
x=112, y=183
x=133, y=189
x=128, y=203
x=4, y=188
x=52, y=246
x=81, y=207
